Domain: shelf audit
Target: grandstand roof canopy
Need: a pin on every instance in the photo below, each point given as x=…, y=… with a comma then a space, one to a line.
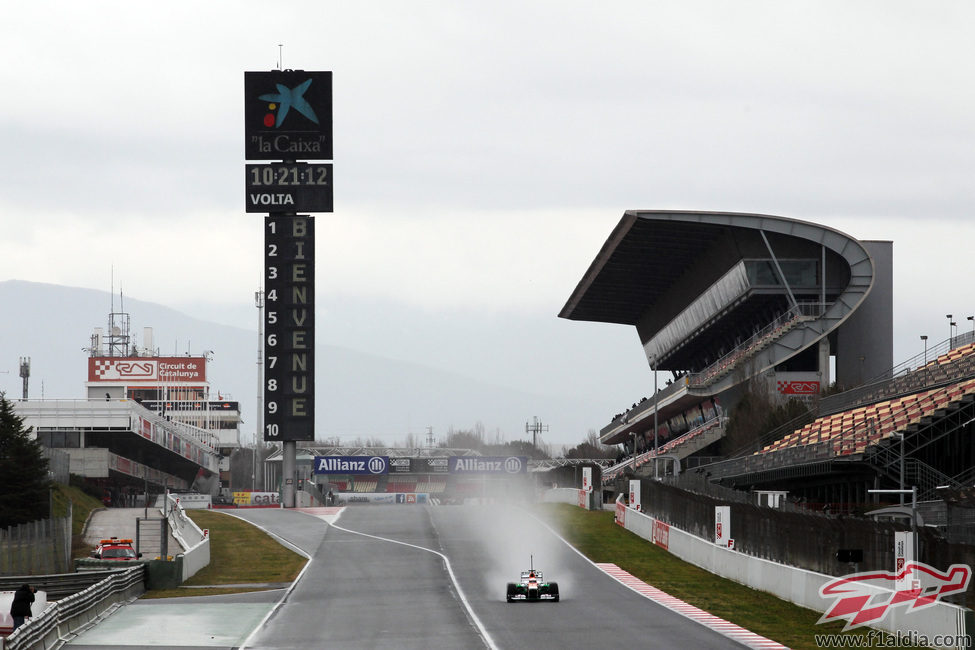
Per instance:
x=649, y=250
x=696, y=285
x=624, y=279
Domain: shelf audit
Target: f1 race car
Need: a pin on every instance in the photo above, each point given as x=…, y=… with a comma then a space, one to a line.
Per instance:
x=532, y=587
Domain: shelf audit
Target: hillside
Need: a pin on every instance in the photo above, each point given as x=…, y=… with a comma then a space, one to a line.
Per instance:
x=357, y=393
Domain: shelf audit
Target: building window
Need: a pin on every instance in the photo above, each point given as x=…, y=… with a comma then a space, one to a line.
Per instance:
x=60, y=439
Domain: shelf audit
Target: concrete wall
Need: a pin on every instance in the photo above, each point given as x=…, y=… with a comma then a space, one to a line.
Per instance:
x=92, y=463
x=791, y=583
x=869, y=331
x=561, y=495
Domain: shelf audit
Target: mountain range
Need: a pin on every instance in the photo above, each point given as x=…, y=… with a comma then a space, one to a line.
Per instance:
x=358, y=394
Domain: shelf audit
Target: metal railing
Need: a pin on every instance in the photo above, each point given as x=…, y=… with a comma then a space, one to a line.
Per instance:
x=799, y=312
x=64, y=619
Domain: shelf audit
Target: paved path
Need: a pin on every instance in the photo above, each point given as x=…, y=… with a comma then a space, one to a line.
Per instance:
x=121, y=522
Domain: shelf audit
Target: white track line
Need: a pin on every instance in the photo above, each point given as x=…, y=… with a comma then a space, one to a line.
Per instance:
x=287, y=592
x=453, y=578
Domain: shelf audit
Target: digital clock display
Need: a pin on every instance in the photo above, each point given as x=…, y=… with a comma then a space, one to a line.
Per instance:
x=289, y=175
x=281, y=188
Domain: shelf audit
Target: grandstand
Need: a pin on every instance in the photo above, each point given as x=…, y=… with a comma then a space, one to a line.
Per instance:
x=728, y=303
x=912, y=429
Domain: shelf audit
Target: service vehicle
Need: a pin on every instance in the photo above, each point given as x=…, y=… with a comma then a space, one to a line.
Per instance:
x=115, y=549
x=532, y=586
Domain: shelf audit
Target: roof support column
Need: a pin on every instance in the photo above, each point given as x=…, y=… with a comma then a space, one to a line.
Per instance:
x=778, y=268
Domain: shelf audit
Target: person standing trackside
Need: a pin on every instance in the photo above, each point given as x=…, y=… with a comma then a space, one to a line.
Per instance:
x=20, y=607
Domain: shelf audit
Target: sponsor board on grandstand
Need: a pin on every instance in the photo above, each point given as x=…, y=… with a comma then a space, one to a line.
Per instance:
x=488, y=464
x=351, y=465
x=400, y=465
x=798, y=387
x=660, y=534
x=439, y=465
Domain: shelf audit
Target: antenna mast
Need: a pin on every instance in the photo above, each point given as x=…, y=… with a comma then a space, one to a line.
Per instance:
x=25, y=373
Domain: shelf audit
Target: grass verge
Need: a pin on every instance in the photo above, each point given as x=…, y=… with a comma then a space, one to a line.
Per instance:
x=240, y=553
x=82, y=505
x=597, y=536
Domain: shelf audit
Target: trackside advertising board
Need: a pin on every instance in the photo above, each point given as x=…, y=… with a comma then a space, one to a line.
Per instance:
x=488, y=465
x=352, y=465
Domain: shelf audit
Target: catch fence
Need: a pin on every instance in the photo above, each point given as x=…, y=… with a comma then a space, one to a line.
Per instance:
x=37, y=547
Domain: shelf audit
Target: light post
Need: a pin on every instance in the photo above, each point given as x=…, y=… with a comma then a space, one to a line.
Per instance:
x=972, y=319
x=949, y=317
x=901, y=435
x=924, y=337
x=913, y=493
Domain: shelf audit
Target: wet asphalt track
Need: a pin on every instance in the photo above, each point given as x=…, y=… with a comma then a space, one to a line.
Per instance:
x=363, y=591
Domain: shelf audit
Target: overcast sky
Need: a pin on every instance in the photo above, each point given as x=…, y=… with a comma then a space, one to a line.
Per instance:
x=484, y=151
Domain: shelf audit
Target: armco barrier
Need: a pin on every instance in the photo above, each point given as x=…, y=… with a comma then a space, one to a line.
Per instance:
x=402, y=498
x=797, y=585
x=561, y=495
x=64, y=619
x=196, y=546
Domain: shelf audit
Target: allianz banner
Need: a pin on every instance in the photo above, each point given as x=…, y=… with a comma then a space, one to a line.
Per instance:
x=488, y=464
x=352, y=465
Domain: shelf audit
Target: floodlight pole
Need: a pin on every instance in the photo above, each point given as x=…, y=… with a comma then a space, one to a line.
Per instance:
x=902, y=490
x=535, y=427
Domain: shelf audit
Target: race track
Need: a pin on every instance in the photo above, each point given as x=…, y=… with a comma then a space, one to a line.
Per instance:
x=384, y=577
